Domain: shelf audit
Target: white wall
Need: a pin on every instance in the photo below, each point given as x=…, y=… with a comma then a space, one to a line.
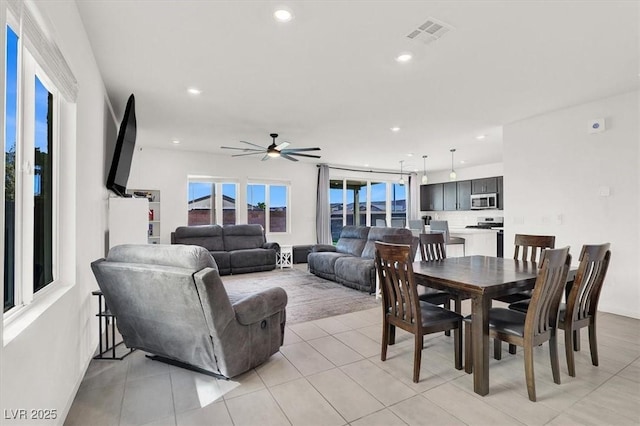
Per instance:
x=554, y=172
x=44, y=364
x=167, y=170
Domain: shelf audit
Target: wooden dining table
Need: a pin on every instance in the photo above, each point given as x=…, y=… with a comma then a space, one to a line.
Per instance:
x=480, y=278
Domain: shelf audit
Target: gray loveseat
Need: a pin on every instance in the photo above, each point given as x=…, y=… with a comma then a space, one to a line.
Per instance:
x=351, y=261
x=170, y=301
x=237, y=249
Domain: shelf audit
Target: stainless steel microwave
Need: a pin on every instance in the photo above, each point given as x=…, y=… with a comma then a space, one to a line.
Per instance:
x=484, y=201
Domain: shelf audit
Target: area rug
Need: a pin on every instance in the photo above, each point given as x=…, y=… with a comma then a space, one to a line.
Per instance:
x=310, y=297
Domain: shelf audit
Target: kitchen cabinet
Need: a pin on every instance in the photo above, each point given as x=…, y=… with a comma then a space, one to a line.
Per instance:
x=456, y=195
x=500, y=193
x=431, y=197
x=484, y=186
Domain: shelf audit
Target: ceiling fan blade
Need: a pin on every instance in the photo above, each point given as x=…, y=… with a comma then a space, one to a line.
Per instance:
x=266, y=157
x=300, y=149
x=248, y=153
x=282, y=146
x=288, y=157
x=243, y=149
x=301, y=155
x=249, y=143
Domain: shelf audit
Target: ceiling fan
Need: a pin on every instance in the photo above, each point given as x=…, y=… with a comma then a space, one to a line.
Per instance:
x=273, y=150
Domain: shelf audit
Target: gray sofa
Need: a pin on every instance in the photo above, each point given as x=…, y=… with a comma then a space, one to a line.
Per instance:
x=169, y=300
x=351, y=261
x=237, y=249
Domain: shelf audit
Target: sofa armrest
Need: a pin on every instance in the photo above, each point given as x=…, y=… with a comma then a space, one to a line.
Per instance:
x=259, y=306
x=274, y=246
x=322, y=247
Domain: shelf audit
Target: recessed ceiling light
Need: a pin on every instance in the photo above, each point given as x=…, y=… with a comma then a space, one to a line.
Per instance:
x=404, y=57
x=366, y=165
x=480, y=137
x=395, y=129
x=175, y=141
x=410, y=154
x=194, y=91
x=282, y=15
x=462, y=161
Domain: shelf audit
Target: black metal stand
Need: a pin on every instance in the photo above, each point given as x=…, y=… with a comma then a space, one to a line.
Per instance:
x=187, y=366
x=108, y=344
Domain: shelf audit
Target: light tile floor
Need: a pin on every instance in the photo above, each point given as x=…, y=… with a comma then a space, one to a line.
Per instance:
x=329, y=373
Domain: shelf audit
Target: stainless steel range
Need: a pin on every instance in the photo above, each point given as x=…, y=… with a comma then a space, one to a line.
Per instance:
x=488, y=222
x=491, y=222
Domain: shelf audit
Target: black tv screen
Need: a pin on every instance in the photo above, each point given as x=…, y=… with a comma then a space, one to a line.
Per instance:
x=123, y=153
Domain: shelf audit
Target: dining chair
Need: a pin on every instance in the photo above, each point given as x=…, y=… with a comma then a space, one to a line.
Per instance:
x=416, y=226
x=402, y=308
x=443, y=226
x=381, y=223
x=582, y=302
x=528, y=248
x=397, y=223
x=535, y=327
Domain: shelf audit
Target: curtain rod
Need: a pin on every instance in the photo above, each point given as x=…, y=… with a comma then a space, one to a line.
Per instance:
x=365, y=171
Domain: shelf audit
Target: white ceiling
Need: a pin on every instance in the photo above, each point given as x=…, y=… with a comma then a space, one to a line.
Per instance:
x=329, y=79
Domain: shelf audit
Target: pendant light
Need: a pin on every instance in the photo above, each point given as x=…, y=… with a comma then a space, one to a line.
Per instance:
x=425, y=179
x=452, y=175
x=401, y=181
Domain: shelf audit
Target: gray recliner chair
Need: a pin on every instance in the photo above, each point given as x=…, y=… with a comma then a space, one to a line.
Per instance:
x=169, y=300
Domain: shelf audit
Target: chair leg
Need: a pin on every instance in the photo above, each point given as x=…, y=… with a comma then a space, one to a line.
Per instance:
x=447, y=305
x=497, y=349
x=553, y=354
x=385, y=340
x=593, y=342
x=392, y=334
x=512, y=349
x=576, y=340
x=457, y=346
x=468, y=354
x=568, y=349
x=528, y=372
x=417, y=357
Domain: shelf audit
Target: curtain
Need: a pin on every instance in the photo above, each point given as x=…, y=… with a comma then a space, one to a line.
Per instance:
x=413, y=198
x=323, y=214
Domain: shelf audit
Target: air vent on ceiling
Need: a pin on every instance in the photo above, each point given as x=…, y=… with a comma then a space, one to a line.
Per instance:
x=430, y=31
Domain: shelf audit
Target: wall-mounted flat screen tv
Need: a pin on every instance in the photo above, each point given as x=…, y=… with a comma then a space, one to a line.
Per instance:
x=123, y=153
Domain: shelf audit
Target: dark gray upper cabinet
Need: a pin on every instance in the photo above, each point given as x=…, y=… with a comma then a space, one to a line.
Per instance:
x=484, y=186
x=431, y=197
x=464, y=195
x=500, y=193
x=457, y=195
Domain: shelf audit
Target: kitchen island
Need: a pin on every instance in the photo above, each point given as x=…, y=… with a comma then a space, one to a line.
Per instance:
x=481, y=242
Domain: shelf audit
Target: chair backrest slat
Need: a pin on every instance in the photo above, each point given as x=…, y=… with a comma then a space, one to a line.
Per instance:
x=432, y=247
x=399, y=291
x=545, y=301
x=532, y=243
x=585, y=292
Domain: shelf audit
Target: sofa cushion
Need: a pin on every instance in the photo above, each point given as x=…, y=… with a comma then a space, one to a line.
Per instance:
x=240, y=237
x=207, y=236
x=356, y=272
x=352, y=240
x=377, y=234
x=188, y=257
x=242, y=259
x=322, y=264
x=223, y=260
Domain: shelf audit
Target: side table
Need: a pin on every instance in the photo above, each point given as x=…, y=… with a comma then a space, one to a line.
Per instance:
x=109, y=343
x=285, y=257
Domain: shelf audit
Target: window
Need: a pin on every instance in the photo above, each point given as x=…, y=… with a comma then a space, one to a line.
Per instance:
x=268, y=204
x=211, y=202
x=31, y=113
x=361, y=202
